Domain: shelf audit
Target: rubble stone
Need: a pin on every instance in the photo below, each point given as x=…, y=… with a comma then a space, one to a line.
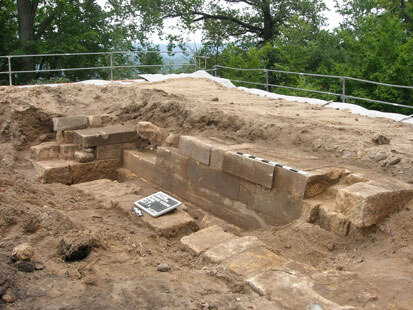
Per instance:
x=84, y=157
x=154, y=134
x=22, y=252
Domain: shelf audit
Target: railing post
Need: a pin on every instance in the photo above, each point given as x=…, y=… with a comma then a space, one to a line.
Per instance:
x=196, y=62
x=343, y=92
x=111, y=66
x=10, y=77
x=215, y=70
x=266, y=80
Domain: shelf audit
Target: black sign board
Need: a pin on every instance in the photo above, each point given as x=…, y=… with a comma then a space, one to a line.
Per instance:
x=157, y=204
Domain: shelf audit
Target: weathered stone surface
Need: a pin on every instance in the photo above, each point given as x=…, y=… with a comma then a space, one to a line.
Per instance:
x=222, y=183
x=84, y=157
x=94, y=121
x=105, y=135
x=69, y=123
x=380, y=139
x=22, y=252
x=170, y=159
x=53, y=171
x=148, y=131
x=217, y=157
x=125, y=175
x=367, y=203
x=290, y=182
x=106, y=190
x=292, y=289
x=140, y=163
x=98, y=169
x=67, y=150
x=172, y=140
x=333, y=221
x=249, y=169
x=354, y=178
x=172, y=224
x=231, y=247
x=205, y=239
x=195, y=148
x=113, y=150
x=69, y=136
x=309, y=212
x=45, y=150
x=252, y=261
x=318, y=181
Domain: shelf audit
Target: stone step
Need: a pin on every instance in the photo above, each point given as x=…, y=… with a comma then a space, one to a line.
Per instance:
x=72, y=172
x=45, y=150
x=205, y=239
x=142, y=164
x=115, y=134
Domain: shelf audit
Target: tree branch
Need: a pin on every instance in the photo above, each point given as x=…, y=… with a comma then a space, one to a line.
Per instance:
x=44, y=25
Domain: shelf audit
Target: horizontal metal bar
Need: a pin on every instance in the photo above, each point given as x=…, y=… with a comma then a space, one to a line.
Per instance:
x=240, y=69
x=304, y=89
x=153, y=66
x=308, y=74
x=254, y=83
x=59, y=70
x=98, y=53
x=383, y=102
x=378, y=83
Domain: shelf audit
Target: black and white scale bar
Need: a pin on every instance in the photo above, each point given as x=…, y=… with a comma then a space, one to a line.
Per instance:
x=272, y=163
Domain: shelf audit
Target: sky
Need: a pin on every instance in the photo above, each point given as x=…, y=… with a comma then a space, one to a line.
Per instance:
x=333, y=20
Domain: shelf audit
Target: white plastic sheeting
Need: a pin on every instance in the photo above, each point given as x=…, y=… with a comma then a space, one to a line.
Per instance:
x=355, y=109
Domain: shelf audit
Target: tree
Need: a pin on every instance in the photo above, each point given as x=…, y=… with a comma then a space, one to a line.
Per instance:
x=248, y=20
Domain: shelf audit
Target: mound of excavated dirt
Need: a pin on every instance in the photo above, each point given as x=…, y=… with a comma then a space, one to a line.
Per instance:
x=121, y=273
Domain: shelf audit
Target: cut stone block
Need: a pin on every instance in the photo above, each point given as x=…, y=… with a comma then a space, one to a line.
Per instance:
x=291, y=289
x=53, y=171
x=366, y=204
x=45, y=150
x=249, y=169
x=69, y=136
x=318, y=181
x=94, y=120
x=69, y=123
x=290, y=182
x=84, y=157
x=140, y=163
x=67, y=150
x=113, y=150
x=252, y=261
x=231, y=247
x=106, y=135
x=205, y=239
x=195, y=148
x=216, y=180
x=169, y=158
x=154, y=134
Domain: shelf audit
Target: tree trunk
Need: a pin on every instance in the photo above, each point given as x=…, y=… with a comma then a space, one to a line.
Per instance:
x=26, y=10
x=268, y=33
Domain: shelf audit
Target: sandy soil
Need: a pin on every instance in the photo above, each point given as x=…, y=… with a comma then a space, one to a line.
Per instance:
x=120, y=272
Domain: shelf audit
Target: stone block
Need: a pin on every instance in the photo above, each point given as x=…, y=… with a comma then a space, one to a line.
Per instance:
x=113, y=150
x=98, y=169
x=94, y=121
x=45, y=150
x=67, y=150
x=172, y=224
x=367, y=203
x=69, y=136
x=231, y=247
x=84, y=157
x=215, y=180
x=106, y=135
x=290, y=182
x=195, y=148
x=252, y=261
x=318, y=181
x=69, y=123
x=142, y=164
x=217, y=157
x=53, y=171
x=169, y=158
x=248, y=169
x=148, y=131
x=205, y=239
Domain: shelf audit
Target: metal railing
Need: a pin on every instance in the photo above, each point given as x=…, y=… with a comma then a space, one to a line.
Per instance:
x=343, y=96
x=196, y=62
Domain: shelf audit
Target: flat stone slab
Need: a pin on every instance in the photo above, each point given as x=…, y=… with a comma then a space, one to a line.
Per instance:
x=70, y=123
x=105, y=135
x=252, y=261
x=231, y=247
x=195, y=148
x=53, y=171
x=45, y=150
x=205, y=239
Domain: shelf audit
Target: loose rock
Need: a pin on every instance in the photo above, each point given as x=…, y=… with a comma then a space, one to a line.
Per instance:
x=84, y=157
x=75, y=246
x=163, y=267
x=8, y=297
x=154, y=134
x=22, y=252
x=380, y=139
x=25, y=266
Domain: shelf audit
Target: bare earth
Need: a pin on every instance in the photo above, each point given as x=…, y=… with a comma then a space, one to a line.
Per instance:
x=120, y=272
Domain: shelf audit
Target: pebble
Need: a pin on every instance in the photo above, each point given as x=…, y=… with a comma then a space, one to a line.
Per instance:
x=22, y=252
x=163, y=267
x=394, y=161
x=8, y=297
x=380, y=139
